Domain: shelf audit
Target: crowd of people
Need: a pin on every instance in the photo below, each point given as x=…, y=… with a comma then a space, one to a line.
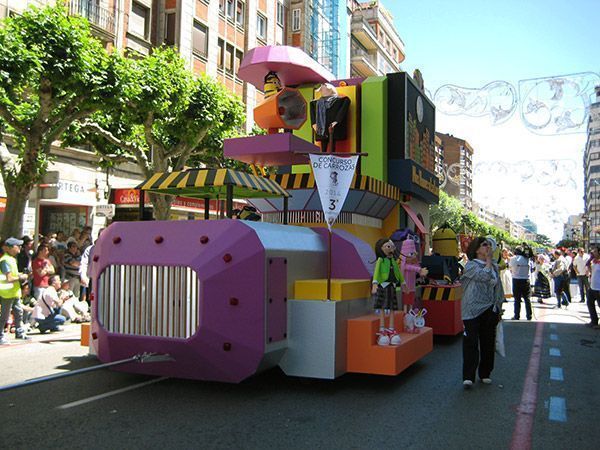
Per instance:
x=487, y=282
x=45, y=286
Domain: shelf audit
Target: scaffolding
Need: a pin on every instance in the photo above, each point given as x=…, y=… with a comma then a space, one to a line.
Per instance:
x=323, y=35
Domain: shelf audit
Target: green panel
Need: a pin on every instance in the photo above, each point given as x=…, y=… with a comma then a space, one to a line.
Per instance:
x=373, y=127
x=305, y=132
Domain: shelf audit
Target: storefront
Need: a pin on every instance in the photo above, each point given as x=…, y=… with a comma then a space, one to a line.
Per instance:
x=182, y=208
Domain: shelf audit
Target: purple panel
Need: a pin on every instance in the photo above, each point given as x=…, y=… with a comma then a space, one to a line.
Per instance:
x=269, y=150
x=352, y=257
x=229, y=343
x=276, y=299
x=292, y=65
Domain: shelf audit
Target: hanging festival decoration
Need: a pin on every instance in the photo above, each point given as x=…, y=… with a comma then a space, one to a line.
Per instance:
x=498, y=100
x=557, y=105
x=548, y=106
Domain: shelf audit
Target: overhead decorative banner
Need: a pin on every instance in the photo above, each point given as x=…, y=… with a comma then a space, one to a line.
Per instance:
x=497, y=100
x=548, y=106
x=333, y=175
x=557, y=105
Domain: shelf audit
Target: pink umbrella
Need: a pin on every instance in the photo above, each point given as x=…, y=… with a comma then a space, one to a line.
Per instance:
x=292, y=65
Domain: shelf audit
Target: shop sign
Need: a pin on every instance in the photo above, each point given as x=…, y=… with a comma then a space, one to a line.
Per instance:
x=2, y=204
x=128, y=196
x=105, y=211
x=413, y=179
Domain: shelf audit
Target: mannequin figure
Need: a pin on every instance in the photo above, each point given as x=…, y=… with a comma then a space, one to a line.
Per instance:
x=328, y=116
x=386, y=277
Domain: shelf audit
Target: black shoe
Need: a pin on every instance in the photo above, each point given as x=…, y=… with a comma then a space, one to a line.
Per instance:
x=515, y=318
x=529, y=318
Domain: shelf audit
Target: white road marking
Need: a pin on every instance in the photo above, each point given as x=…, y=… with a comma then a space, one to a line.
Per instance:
x=554, y=337
x=557, y=409
x=554, y=352
x=109, y=394
x=556, y=374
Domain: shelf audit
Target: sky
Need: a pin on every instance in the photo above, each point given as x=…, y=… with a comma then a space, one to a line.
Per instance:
x=470, y=44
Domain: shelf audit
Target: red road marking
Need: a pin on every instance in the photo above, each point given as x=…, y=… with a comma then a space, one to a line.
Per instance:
x=522, y=434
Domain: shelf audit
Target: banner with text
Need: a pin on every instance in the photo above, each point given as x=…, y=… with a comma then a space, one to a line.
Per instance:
x=333, y=175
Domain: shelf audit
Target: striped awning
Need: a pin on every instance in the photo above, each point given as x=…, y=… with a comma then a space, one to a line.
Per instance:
x=212, y=183
x=359, y=182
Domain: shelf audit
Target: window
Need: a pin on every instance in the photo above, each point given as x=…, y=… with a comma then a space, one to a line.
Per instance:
x=200, y=39
x=230, y=9
x=170, y=25
x=261, y=26
x=239, y=13
x=280, y=13
x=221, y=45
x=296, y=20
x=238, y=60
x=139, y=20
x=229, y=58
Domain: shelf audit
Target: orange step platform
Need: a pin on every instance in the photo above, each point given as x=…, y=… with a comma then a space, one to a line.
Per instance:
x=365, y=356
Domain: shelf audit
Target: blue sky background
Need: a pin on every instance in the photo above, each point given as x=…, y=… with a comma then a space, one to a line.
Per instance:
x=471, y=43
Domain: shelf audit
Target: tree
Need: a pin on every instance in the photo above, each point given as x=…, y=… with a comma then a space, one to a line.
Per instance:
x=543, y=240
x=164, y=117
x=450, y=211
x=52, y=73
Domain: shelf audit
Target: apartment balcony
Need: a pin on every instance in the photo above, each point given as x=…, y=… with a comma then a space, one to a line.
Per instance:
x=363, y=33
x=363, y=62
x=101, y=19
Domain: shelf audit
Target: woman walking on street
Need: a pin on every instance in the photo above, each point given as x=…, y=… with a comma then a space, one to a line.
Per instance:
x=541, y=287
x=481, y=311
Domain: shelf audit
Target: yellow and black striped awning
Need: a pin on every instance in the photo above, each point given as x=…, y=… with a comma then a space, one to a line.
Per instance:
x=212, y=183
x=359, y=182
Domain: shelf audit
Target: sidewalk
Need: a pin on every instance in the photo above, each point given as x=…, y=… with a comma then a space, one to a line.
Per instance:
x=44, y=354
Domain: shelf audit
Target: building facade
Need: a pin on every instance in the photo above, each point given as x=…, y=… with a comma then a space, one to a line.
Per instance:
x=375, y=47
x=458, y=163
x=591, y=167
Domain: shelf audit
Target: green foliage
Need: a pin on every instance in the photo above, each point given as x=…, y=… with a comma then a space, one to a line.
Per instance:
x=163, y=108
x=543, y=240
x=450, y=211
x=52, y=72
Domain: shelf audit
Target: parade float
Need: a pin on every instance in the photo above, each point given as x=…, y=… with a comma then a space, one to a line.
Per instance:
x=225, y=299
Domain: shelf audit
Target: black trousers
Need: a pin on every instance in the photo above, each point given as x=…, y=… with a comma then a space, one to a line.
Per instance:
x=593, y=297
x=584, y=285
x=567, y=286
x=521, y=291
x=479, y=345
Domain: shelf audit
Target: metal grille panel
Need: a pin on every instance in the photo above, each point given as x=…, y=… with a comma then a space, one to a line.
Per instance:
x=149, y=300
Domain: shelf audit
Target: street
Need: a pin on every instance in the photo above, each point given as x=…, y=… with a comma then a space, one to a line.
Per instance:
x=423, y=407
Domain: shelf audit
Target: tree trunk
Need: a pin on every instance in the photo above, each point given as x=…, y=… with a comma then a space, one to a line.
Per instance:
x=161, y=204
x=16, y=198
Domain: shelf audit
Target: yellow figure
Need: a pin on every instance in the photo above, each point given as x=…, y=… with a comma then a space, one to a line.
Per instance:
x=272, y=84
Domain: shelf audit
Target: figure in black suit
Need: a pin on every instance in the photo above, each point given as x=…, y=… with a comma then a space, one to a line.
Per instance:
x=328, y=116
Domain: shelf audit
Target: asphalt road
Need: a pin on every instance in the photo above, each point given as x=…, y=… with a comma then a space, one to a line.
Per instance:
x=425, y=407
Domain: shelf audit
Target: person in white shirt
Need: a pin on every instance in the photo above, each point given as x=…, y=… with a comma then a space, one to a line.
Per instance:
x=594, y=292
x=580, y=263
x=520, y=269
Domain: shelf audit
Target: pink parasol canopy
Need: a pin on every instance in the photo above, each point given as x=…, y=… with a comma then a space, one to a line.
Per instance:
x=292, y=65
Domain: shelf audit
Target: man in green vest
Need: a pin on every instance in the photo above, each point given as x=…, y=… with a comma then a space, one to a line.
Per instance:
x=10, y=286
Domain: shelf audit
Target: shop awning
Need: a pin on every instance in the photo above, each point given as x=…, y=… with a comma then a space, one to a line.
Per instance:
x=212, y=183
x=415, y=218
